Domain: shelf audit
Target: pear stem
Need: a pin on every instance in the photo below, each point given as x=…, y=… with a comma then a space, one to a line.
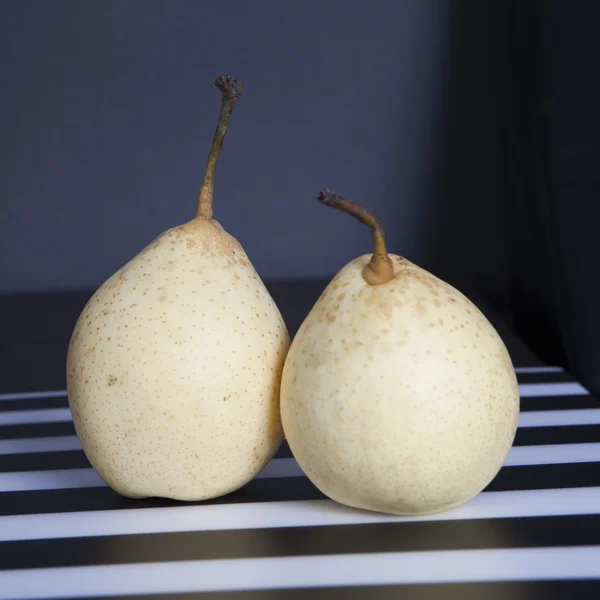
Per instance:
x=231, y=90
x=379, y=269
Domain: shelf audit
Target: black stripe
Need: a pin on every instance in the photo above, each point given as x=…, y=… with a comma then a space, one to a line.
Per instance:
x=34, y=404
x=31, y=430
x=560, y=377
x=74, y=459
x=558, y=402
x=545, y=477
x=494, y=590
x=565, y=402
x=61, y=401
x=527, y=403
x=44, y=461
x=278, y=490
x=284, y=451
x=69, y=459
x=103, y=498
x=571, y=434
x=410, y=536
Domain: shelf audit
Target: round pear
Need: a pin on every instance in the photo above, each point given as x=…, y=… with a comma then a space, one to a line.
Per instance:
x=398, y=395
x=174, y=365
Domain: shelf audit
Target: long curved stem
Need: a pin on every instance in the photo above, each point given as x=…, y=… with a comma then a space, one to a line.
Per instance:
x=231, y=90
x=379, y=269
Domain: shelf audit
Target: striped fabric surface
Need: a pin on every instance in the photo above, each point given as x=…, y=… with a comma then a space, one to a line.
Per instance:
x=533, y=533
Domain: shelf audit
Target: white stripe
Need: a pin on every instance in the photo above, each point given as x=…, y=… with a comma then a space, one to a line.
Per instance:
x=55, y=415
x=281, y=467
x=288, y=572
x=32, y=395
x=42, y=444
x=63, y=393
x=539, y=370
x=560, y=418
x=530, y=390
x=539, y=418
x=555, y=454
x=307, y=513
x=23, y=417
x=61, y=479
x=21, y=481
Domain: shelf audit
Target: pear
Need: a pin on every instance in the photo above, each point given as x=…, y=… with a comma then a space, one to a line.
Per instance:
x=174, y=365
x=398, y=395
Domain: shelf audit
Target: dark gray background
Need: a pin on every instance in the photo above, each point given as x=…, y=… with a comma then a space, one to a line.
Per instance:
x=470, y=128
x=108, y=112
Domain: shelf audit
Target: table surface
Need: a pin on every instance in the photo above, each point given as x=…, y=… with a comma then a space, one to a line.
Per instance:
x=534, y=532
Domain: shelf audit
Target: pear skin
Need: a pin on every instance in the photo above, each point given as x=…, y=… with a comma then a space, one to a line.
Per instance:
x=399, y=397
x=174, y=368
x=174, y=365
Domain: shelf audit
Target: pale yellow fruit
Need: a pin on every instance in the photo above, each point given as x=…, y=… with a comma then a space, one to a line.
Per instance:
x=174, y=367
x=400, y=397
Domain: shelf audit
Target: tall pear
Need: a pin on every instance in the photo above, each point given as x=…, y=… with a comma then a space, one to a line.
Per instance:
x=174, y=365
x=398, y=395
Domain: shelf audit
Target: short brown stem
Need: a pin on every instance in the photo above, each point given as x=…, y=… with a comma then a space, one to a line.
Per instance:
x=231, y=90
x=380, y=268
